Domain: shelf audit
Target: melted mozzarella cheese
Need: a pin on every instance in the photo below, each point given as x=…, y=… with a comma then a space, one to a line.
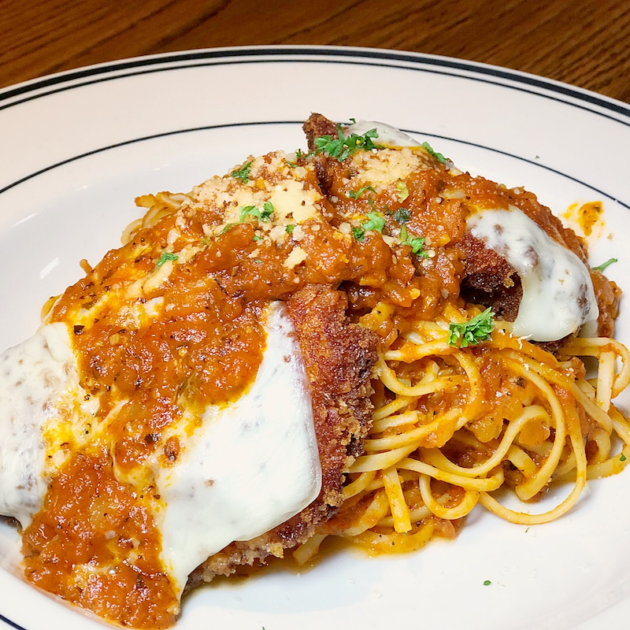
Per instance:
x=36, y=379
x=386, y=133
x=558, y=295
x=251, y=466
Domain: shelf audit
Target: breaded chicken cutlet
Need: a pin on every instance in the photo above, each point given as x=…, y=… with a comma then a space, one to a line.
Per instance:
x=339, y=357
x=441, y=200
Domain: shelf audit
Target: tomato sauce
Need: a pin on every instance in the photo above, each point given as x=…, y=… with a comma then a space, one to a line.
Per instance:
x=95, y=545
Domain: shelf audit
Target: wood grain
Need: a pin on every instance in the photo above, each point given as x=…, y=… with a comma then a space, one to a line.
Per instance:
x=582, y=42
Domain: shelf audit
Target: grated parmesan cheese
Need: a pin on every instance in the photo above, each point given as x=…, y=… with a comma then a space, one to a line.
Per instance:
x=296, y=256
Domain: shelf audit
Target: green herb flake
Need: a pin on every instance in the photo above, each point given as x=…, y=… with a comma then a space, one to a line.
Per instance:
x=289, y=229
x=375, y=222
x=415, y=242
x=249, y=211
x=478, y=329
x=403, y=191
x=267, y=211
x=342, y=147
x=356, y=195
x=298, y=154
x=438, y=156
x=242, y=173
x=253, y=211
x=257, y=237
x=165, y=257
x=258, y=261
x=402, y=215
x=605, y=265
x=622, y=458
x=358, y=233
x=487, y=583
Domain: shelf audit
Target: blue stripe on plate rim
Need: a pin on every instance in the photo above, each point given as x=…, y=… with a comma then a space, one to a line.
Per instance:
x=11, y=624
x=295, y=122
x=330, y=54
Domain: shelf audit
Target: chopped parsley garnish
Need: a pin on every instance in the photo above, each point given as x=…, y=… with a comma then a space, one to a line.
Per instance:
x=402, y=215
x=257, y=237
x=249, y=211
x=242, y=173
x=487, y=583
x=415, y=242
x=267, y=210
x=165, y=257
x=622, y=458
x=356, y=195
x=476, y=330
x=258, y=261
x=403, y=191
x=438, y=156
x=228, y=226
x=253, y=211
x=358, y=233
x=289, y=229
x=341, y=147
x=376, y=222
x=298, y=154
x=605, y=265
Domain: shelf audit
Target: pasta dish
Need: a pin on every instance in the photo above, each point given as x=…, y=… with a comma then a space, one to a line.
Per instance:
x=358, y=340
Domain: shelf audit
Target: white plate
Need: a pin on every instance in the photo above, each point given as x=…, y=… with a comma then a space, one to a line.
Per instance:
x=78, y=147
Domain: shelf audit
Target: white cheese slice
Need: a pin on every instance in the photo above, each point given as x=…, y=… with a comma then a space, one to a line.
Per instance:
x=386, y=133
x=252, y=465
x=558, y=295
x=36, y=378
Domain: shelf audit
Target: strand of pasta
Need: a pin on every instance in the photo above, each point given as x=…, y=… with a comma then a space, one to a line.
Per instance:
x=480, y=485
x=522, y=518
x=416, y=514
x=359, y=484
x=391, y=381
x=592, y=347
x=463, y=508
x=415, y=436
x=553, y=376
x=379, y=461
x=397, y=504
x=534, y=485
x=436, y=457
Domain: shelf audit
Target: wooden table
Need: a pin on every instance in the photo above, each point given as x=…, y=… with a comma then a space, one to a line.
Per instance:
x=582, y=42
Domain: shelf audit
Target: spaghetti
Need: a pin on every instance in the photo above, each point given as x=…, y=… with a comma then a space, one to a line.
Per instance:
x=453, y=426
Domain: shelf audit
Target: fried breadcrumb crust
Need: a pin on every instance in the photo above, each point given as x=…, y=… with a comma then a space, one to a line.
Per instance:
x=488, y=278
x=339, y=357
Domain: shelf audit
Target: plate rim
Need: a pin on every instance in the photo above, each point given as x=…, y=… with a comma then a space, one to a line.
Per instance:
x=38, y=88
x=251, y=54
